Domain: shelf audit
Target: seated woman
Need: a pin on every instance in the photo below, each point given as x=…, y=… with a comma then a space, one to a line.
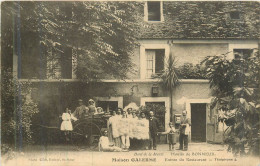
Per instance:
x=104, y=145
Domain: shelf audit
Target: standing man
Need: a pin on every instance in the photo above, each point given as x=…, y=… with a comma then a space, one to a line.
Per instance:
x=184, y=131
x=153, y=129
x=80, y=110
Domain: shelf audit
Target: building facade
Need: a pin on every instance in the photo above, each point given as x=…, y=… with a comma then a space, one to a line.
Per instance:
x=189, y=30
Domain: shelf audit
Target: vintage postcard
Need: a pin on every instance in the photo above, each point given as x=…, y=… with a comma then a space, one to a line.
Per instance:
x=130, y=83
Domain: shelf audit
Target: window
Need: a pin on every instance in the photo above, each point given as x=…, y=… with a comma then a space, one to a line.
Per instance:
x=154, y=61
x=33, y=62
x=33, y=66
x=66, y=64
x=109, y=103
x=241, y=49
x=59, y=64
x=242, y=53
x=234, y=15
x=108, y=106
x=152, y=57
x=153, y=11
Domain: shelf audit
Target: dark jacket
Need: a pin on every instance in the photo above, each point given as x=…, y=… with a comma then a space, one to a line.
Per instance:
x=184, y=121
x=153, y=125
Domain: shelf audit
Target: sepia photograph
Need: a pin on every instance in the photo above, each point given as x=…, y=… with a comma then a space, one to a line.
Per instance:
x=130, y=83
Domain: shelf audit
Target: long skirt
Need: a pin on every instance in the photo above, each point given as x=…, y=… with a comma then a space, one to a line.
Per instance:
x=118, y=142
x=110, y=136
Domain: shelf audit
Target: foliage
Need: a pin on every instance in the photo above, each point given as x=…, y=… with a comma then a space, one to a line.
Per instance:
x=17, y=111
x=100, y=35
x=235, y=85
x=206, y=20
x=170, y=78
x=159, y=112
x=190, y=71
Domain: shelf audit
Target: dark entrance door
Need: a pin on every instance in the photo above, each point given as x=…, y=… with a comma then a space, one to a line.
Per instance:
x=198, y=122
x=156, y=107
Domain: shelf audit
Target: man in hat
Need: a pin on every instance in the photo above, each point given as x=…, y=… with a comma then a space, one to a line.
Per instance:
x=153, y=130
x=92, y=108
x=80, y=110
x=184, y=131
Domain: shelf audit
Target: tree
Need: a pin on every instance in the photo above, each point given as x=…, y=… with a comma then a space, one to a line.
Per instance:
x=100, y=35
x=235, y=86
x=170, y=78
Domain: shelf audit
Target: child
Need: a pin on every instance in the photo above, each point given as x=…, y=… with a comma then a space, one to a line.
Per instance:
x=100, y=110
x=104, y=145
x=171, y=136
x=66, y=124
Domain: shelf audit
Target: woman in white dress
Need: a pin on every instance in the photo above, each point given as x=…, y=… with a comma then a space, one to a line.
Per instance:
x=142, y=133
x=66, y=124
x=133, y=120
x=116, y=129
x=112, y=128
x=124, y=131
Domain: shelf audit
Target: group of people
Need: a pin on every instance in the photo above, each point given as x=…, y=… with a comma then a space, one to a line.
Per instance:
x=81, y=111
x=127, y=128
x=130, y=128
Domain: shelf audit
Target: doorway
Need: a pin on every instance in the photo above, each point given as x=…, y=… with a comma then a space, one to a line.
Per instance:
x=165, y=100
x=157, y=108
x=198, y=122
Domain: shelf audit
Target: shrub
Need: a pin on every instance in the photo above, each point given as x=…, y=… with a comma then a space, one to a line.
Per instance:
x=190, y=71
x=17, y=111
x=235, y=85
